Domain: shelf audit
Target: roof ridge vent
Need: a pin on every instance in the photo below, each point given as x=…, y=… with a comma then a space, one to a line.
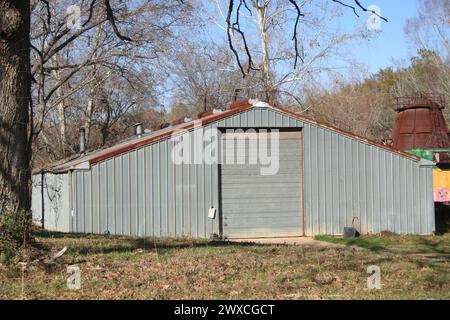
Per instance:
x=258, y=104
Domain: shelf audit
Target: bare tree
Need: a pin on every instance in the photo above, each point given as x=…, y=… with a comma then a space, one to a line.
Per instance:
x=205, y=78
x=429, y=33
x=87, y=57
x=295, y=38
x=113, y=102
x=427, y=73
x=431, y=28
x=362, y=107
x=235, y=11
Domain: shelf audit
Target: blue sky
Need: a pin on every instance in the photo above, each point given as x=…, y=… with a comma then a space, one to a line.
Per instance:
x=385, y=49
x=391, y=43
x=380, y=51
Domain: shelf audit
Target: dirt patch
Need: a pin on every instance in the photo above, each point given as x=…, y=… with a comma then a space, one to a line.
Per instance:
x=299, y=241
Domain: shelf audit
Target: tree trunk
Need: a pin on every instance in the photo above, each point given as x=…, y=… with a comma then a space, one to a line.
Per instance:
x=90, y=104
x=62, y=124
x=61, y=108
x=268, y=85
x=15, y=87
x=88, y=120
x=105, y=134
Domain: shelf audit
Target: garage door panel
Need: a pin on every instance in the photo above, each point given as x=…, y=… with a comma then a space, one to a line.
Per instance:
x=241, y=178
x=287, y=145
x=284, y=167
x=250, y=193
x=288, y=186
x=251, y=172
x=242, y=158
x=288, y=209
x=237, y=209
x=249, y=222
x=242, y=146
x=254, y=205
x=264, y=186
x=238, y=181
x=263, y=200
x=263, y=232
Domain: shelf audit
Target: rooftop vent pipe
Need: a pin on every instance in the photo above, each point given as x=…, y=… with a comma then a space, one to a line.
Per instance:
x=138, y=129
x=82, y=141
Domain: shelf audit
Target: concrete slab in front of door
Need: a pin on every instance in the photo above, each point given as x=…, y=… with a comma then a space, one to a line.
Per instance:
x=301, y=241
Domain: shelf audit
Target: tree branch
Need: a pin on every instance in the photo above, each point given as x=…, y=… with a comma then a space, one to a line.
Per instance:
x=91, y=11
x=358, y=4
x=294, y=38
x=229, y=35
x=235, y=27
x=112, y=20
x=348, y=6
x=47, y=5
x=371, y=11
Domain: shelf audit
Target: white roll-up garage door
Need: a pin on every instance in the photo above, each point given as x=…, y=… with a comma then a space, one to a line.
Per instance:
x=257, y=203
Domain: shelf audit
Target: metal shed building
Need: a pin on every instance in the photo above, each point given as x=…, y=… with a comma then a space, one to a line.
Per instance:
x=325, y=178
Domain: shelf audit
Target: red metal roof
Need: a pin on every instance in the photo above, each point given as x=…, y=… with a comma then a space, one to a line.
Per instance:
x=135, y=143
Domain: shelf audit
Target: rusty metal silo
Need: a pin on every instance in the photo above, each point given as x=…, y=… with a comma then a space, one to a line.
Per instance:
x=420, y=129
x=420, y=124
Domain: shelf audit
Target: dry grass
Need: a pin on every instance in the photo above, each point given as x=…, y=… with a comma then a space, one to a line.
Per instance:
x=128, y=268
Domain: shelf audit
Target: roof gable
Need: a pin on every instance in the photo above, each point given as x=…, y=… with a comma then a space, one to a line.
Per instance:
x=135, y=143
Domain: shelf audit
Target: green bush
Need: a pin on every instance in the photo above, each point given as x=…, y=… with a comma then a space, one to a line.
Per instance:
x=15, y=231
x=7, y=251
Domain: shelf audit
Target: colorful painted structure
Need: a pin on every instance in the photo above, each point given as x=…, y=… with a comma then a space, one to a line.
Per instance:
x=420, y=129
x=441, y=172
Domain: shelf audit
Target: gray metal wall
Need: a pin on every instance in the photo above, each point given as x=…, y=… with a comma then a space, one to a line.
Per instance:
x=345, y=178
x=55, y=195
x=143, y=193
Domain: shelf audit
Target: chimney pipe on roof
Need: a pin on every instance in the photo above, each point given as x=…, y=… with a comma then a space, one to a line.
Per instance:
x=138, y=130
x=82, y=141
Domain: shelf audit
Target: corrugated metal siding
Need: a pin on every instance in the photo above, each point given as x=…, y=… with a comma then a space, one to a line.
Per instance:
x=143, y=193
x=56, y=201
x=345, y=178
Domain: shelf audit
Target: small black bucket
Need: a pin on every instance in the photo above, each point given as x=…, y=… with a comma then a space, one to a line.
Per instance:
x=351, y=232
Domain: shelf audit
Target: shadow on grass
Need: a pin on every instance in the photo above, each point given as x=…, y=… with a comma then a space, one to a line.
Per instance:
x=409, y=244
x=367, y=243
x=84, y=244
x=55, y=234
x=433, y=246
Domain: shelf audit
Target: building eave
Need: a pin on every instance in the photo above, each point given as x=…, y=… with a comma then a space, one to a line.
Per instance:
x=84, y=162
